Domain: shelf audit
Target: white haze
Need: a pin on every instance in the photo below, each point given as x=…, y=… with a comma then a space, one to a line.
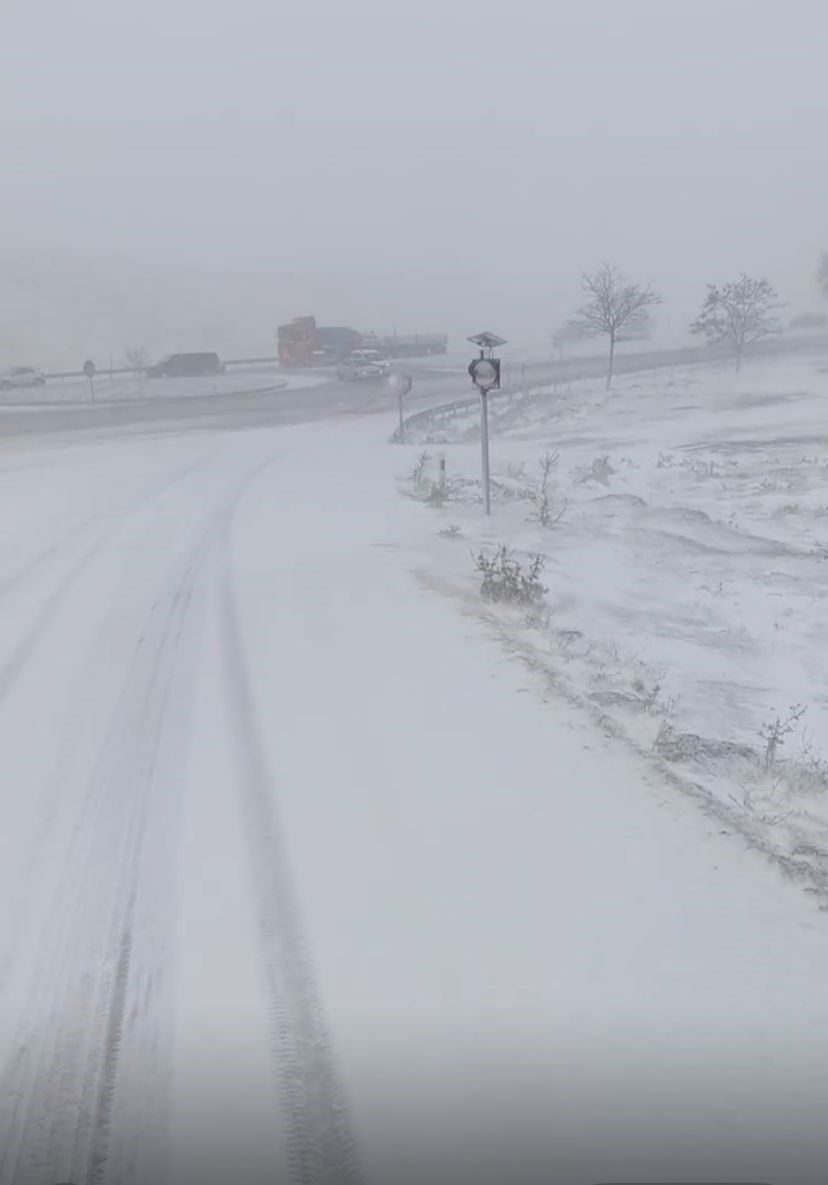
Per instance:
x=188, y=170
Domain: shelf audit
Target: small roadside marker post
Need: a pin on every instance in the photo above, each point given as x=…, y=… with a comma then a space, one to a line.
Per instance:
x=485, y=374
x=89, y=370
x=400, y=384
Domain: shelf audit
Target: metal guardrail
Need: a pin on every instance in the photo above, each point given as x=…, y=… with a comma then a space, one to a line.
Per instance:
x=79, y=374
x=110, y=370
x=447, y=411
x=7, y=405
x=594, y=368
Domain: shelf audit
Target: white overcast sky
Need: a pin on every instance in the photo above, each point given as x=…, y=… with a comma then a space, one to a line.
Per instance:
x=445, y=162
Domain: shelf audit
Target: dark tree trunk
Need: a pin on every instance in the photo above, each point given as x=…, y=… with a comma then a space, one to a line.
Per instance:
x=611, y=362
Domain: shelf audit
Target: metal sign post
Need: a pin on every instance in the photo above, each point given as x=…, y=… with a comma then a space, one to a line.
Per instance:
x=485, y=374
x=484, y=446
x=401, y=384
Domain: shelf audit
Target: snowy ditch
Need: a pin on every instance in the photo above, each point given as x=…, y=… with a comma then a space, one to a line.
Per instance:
x=681, y=525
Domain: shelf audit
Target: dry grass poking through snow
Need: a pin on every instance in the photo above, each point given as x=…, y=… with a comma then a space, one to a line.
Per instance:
x=682, y=525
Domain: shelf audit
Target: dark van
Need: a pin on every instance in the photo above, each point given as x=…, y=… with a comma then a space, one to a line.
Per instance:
x=176, y=366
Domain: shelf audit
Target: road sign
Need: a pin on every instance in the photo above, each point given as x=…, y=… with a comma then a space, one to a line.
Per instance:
x=485, y=373
x=400, y=384
x=89, y=370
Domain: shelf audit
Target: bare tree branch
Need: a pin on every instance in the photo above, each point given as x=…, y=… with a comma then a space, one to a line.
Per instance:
x=616, y=308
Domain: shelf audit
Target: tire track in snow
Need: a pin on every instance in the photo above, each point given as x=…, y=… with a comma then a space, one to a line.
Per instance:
x=321, y=1144
x=69, y=1084
x=13, y=666
x=34, y=565
x=27, y=644
x=63, y=1082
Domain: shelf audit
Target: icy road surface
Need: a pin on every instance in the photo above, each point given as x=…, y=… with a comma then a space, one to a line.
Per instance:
x=303, y=880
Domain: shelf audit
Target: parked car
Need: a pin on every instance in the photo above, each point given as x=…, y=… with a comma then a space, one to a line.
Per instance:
x=176, y=366
x=363, y=364
x=22, y=376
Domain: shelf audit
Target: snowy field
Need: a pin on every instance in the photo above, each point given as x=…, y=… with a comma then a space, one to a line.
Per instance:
x=685, y=552
x=293, y=856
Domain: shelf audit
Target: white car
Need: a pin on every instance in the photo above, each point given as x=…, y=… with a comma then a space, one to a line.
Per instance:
x=363, y=364
x=22, y=376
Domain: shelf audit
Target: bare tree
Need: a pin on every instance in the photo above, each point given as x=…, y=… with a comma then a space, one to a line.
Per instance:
x=739, y=314
x=616, y=308
x=136, y=357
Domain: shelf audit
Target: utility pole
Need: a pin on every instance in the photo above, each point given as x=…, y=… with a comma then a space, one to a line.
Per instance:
x=485, y=374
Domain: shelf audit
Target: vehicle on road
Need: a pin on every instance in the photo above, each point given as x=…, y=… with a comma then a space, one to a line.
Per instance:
x=176, y=366
x=301, y=342
x=334, y=343
x=296, y=342
x=21, y=376
x=362, y=365
x=412, y=345
x=304, y=343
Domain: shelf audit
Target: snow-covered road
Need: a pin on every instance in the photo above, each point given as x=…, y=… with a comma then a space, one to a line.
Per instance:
x=304, y=879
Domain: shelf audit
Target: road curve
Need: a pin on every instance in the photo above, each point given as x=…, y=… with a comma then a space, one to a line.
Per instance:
x=302, y=880
x=192, y=411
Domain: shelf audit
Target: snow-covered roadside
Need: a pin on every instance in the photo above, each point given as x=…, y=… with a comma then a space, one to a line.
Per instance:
x=129, y=388
x=540, y=963
x=686, y=574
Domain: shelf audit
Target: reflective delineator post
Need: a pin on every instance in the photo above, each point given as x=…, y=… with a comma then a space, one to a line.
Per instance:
x=402, y=384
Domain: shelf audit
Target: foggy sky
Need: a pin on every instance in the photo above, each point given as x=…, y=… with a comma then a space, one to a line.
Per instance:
x=440, y=164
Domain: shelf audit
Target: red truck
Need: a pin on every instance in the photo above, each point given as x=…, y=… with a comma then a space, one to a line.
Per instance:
x=304, y=343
